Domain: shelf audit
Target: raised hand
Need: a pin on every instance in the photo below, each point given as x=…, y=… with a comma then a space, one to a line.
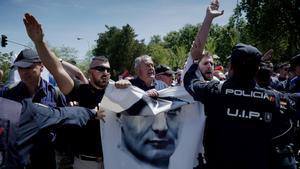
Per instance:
x=33, y=28
x=213, y=9
x=152, y=93
x=122, y=84
x=100, y=113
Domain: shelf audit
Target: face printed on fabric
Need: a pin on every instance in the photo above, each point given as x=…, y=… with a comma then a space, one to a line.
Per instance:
x=100, y=74
x=152, y=139
x=146, y=70
x=206, y=66
x=31, y=74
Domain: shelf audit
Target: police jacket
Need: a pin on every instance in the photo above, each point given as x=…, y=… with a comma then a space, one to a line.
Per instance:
x=25, y=125
x=241, y=121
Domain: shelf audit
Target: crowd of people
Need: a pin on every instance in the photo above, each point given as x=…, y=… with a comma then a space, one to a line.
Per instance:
x=251, y=110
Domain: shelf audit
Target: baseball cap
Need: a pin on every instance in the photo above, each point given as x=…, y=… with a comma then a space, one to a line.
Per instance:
x=163, y=69
x=245, y=55
x=26, y=58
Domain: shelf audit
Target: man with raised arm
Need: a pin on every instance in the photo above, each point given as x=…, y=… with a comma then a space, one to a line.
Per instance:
x=88, y=149
x=197, y=53
x=203, y=59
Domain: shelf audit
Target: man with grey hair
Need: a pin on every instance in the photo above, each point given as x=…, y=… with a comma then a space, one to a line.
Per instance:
x=145, y=71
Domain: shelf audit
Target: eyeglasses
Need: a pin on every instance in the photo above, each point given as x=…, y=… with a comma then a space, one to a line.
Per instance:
x=102, y=68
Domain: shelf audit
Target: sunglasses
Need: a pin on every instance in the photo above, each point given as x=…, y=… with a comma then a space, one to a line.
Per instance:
x=102, y=68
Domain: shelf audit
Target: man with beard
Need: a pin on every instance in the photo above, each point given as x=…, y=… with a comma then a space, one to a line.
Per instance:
x=33, y=86
x=88, y=150
x=206, y=66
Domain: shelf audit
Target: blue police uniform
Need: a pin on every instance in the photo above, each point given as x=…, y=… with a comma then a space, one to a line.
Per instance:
x=34, y=118
x=241, y=121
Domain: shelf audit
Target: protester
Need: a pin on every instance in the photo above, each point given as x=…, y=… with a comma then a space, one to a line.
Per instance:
x=87, y=149
x=283, y=70
x=145, y=80
x=293, y=86
x=165, y=74
x=219, y=74
x=33, y=86
x=197, y=50
x=178, y=77
x=263, y=75
x=25, y=120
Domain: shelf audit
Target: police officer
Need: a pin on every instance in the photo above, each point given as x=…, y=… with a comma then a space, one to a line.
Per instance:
x=25, y=120
x=241, y=117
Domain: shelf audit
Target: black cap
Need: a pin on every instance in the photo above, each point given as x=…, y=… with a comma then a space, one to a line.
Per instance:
x=163, y=69
x=26, y=58
x=295, y=61
x=245, y=55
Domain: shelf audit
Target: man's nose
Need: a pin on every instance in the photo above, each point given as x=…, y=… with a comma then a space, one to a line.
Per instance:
x=160, y=125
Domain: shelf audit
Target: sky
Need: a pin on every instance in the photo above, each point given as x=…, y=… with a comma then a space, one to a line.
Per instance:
x=63, y=21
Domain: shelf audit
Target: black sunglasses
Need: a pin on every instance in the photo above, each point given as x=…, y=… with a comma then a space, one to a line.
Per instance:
x=101, y=68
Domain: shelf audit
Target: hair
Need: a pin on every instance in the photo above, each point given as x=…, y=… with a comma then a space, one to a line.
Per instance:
x=100, y=58
x=97, y=58
x=206, y=54
x=139, y=60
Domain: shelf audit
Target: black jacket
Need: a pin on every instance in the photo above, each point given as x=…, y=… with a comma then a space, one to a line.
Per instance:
x=241, y=121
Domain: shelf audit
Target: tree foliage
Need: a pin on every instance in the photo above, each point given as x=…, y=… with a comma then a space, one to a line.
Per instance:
x=120, y=46
x=5, y=63
x=66, y=53
x=182, y=38
x=271, y=24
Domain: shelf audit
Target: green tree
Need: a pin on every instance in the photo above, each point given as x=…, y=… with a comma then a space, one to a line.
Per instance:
x=177, y=59
x=179, y=43
x=5, y=64
x=159, y=53
x=226, y=39
x=183, y=38
x=66, y=53
x=121, y=47
x=155, y=39
x=272, y=24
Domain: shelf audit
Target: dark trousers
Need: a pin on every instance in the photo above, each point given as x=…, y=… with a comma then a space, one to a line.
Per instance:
x=42, y=155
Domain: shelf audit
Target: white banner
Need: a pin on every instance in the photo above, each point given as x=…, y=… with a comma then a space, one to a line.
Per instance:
x=140, y=132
